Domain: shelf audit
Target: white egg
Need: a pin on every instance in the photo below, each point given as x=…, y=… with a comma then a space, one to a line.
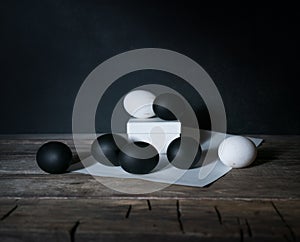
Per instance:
x=139, y=103
x=237, y=151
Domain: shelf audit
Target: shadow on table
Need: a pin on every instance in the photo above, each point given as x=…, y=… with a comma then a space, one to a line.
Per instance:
x=77, y=164
x=264, y=155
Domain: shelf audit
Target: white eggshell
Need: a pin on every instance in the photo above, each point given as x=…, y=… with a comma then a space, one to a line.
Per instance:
x=138, y=104
x=237, y=151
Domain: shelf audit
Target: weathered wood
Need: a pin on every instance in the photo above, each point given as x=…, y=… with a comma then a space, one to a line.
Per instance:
x=170, y=220
x=274, y=175
x=259, y=203
x=84, y=186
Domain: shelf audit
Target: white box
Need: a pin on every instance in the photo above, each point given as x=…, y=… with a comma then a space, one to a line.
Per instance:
x=160, y=133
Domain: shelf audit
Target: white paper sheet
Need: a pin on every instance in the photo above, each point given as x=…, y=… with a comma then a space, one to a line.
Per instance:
x=197, y=177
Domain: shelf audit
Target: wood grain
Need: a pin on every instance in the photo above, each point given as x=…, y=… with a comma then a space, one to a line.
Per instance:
x=274, y=175
x=172, y=220
x=259, y=203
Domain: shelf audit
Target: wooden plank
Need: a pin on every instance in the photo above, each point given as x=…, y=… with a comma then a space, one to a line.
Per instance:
x=168, y=220
x=84, y=186
x=261, y=202
x=245, y=221
x=274, y=175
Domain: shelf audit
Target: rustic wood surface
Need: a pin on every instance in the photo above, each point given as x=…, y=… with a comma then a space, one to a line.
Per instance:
x=259, y=203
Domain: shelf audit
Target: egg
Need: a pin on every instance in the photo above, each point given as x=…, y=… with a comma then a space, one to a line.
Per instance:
x=139, y=103
x=168, y=106
x=54, y=157
x=237, y=151
x=108, y=145
x=138, y=158
x=186, y=157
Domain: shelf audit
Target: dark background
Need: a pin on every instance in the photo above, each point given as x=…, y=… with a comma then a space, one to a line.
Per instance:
x=47, y=48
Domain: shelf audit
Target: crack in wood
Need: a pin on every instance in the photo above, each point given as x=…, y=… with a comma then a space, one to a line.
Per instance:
x=248, y=228
x=9, y=213
x=218, y=214
x=241, y=235
x=286, y=238
x=241, y=231
x=149, y=204
x=73, y=231
x=128, y=211
x=284, y=222
x=179, y=217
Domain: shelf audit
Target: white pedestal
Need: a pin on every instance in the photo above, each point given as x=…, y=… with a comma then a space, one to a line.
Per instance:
x=160, y=133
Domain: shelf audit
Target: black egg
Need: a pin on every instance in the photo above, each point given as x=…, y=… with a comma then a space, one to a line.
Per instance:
x=54, y=157
x=168, y=106
x=110, y=145
x=187, y=156
x=138, y=158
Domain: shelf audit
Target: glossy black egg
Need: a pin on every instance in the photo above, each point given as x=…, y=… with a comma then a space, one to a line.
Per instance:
x=54, y=157
x=138, y=158
x=184, y=153
x=110, y=145
x=168, y=106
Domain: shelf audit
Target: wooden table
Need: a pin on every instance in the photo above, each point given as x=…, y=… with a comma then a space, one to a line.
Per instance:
x=259, y=203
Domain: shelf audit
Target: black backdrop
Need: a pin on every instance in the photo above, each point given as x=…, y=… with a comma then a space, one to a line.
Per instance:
x=48, y=47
